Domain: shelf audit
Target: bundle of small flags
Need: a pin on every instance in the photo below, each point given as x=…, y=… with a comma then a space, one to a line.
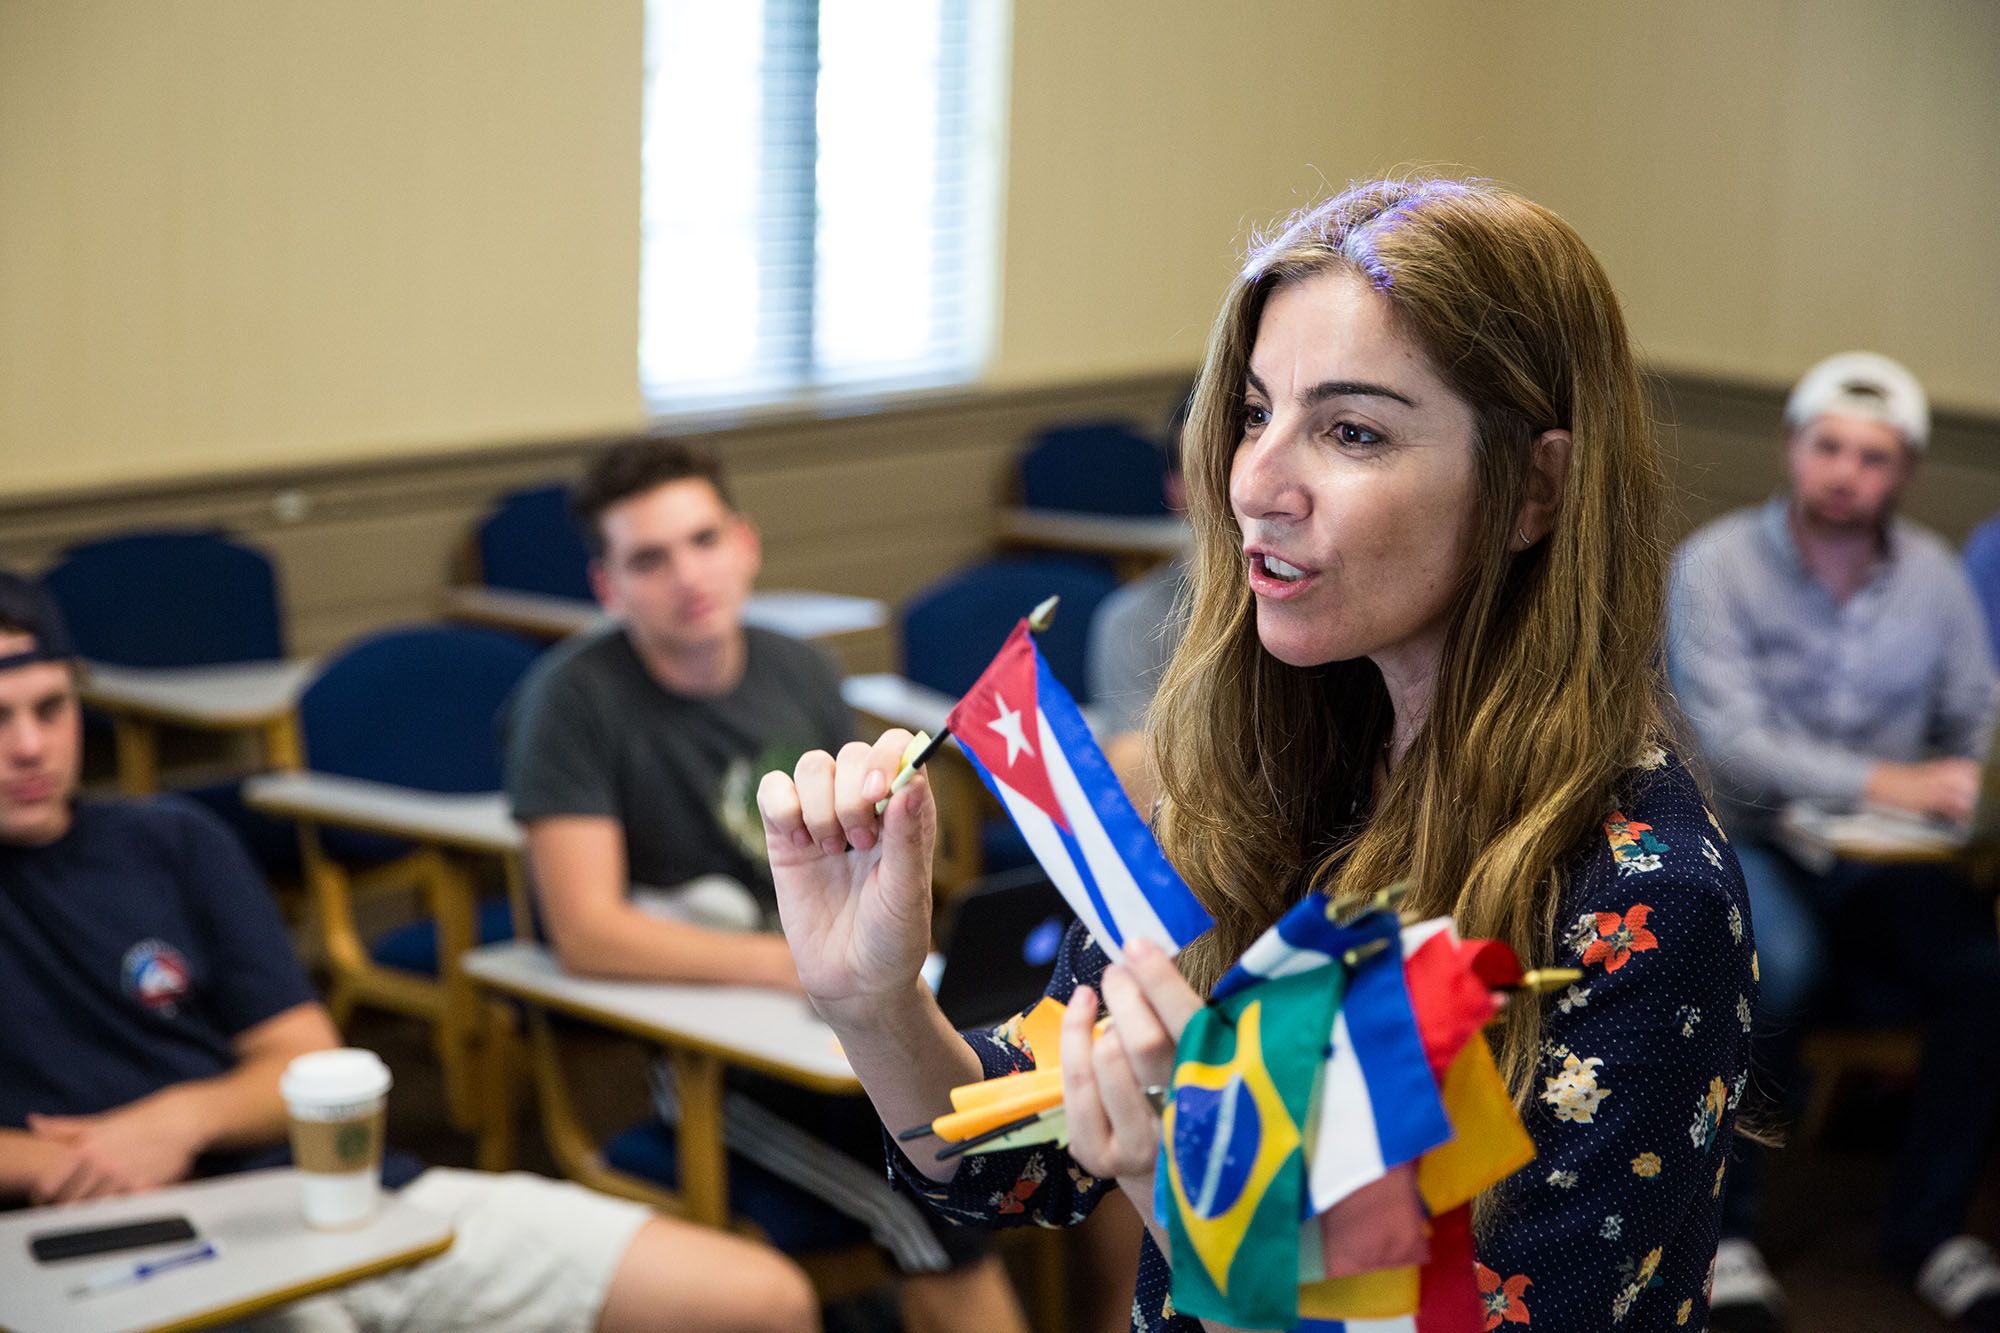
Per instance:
x=1335, y=1108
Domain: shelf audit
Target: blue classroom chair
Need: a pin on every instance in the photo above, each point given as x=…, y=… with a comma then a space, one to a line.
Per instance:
x=529, y=543
x=1103, y=467
x=951, y=628
x=1982, y=566
x=181, y=597
x=169, y=598
x=419, y=708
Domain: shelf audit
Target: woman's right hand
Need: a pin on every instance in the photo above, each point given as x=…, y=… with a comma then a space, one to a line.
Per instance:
x=854, y=887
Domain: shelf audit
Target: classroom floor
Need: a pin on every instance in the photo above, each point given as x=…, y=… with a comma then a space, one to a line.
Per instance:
x=1818, y=1236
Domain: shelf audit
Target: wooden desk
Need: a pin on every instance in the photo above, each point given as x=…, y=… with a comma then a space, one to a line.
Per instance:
x=897, y=701
x=801, y=615
x=1135, y=542
x=453, y=832
x=702, y=1028
x=1816, y=838
x=238, y=696
x=536, y=614
x=268, y=1257
x=477, y=822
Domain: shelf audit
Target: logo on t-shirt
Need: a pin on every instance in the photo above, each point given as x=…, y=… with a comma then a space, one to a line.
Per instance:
x=736, y=797
x=156, y=974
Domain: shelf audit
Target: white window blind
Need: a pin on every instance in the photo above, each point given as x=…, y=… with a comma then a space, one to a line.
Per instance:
x=820, y=190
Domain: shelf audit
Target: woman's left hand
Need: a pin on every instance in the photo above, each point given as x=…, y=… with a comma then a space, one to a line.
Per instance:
x=1114, y=1131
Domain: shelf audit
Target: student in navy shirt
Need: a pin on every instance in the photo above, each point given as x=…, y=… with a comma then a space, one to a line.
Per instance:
x=149, y=999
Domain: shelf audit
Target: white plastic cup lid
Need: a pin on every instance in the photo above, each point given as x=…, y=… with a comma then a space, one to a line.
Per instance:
x=336, y=1078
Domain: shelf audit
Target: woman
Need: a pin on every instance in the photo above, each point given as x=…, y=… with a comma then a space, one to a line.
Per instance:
x=1424, y=643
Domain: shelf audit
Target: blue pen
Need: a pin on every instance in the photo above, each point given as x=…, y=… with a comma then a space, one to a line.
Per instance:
x=112, y=1279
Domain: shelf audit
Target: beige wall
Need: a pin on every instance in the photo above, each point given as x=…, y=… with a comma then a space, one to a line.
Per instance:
x=1770, y=182
x=247, y=234
x=1767, y=182
x=1148, y=141
x=240, y=233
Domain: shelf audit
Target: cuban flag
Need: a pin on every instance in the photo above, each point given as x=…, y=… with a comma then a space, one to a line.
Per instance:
x=1031, y=747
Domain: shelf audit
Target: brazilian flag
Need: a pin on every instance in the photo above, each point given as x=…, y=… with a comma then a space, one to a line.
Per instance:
x=1233, y=1144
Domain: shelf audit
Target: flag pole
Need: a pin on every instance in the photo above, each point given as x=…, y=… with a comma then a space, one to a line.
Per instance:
x=925, y=746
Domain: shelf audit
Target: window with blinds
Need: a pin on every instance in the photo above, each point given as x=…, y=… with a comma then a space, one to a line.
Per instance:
x=819, y=197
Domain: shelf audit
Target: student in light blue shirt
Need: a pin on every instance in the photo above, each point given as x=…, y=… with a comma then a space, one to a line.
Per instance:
x=1827, y=650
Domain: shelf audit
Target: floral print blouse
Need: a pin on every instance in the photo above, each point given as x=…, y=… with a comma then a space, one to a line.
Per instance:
x=1613, y=1226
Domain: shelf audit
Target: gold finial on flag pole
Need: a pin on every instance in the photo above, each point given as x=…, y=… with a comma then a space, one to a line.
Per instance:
x=922, y=746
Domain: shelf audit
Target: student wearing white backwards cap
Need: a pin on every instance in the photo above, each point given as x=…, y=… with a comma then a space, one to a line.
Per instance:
x=1827, y=650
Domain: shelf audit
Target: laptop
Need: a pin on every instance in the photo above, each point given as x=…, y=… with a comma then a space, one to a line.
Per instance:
x=1000, y=942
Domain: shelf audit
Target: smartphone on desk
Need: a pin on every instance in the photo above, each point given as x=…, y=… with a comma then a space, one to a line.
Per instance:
x=51, y=1247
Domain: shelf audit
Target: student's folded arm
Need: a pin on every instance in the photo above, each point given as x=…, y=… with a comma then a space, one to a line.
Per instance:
x=242, y=1109
x=238, y=1109
x=26, y=1164
x=580, y=876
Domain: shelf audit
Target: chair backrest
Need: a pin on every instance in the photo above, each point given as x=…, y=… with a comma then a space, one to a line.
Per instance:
x=169, y=598
x=1103, y=467
x=1982, y=566
x=417, y=707
x=529, y=543
x=952, y=628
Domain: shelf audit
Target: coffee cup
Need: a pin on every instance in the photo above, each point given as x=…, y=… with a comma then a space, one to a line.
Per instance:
x=336, y=1101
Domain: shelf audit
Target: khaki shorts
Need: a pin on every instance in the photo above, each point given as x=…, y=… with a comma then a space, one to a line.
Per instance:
x=530, y=1254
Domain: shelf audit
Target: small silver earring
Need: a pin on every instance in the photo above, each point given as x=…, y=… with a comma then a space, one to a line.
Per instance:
x=1523, y=535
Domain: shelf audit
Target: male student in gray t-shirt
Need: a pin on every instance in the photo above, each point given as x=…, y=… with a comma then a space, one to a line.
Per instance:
x=633, y=757
x=633, y=752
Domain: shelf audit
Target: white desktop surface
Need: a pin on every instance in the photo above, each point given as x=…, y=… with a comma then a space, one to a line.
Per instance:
x=1816, y=837
x=747, y=1025
x=230, y=695
x=799, y=614
x=898, y=701
x=476, y=821
x=1161, y=535
x=268, y=1256
x=536, y=612
x=814, y=615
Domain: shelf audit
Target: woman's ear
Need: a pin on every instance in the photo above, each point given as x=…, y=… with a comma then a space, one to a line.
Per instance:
x=1548, y=469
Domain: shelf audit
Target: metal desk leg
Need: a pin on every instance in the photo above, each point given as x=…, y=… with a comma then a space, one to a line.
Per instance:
x=283, y=747
x=500, y=1070
x=453, y=909
x=138, y=746
x=703, y=1159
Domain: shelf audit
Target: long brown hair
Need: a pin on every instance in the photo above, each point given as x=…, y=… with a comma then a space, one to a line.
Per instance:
x=1550, y=684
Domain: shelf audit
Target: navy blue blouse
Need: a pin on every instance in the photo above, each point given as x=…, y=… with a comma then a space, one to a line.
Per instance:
x=1643, y=1062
